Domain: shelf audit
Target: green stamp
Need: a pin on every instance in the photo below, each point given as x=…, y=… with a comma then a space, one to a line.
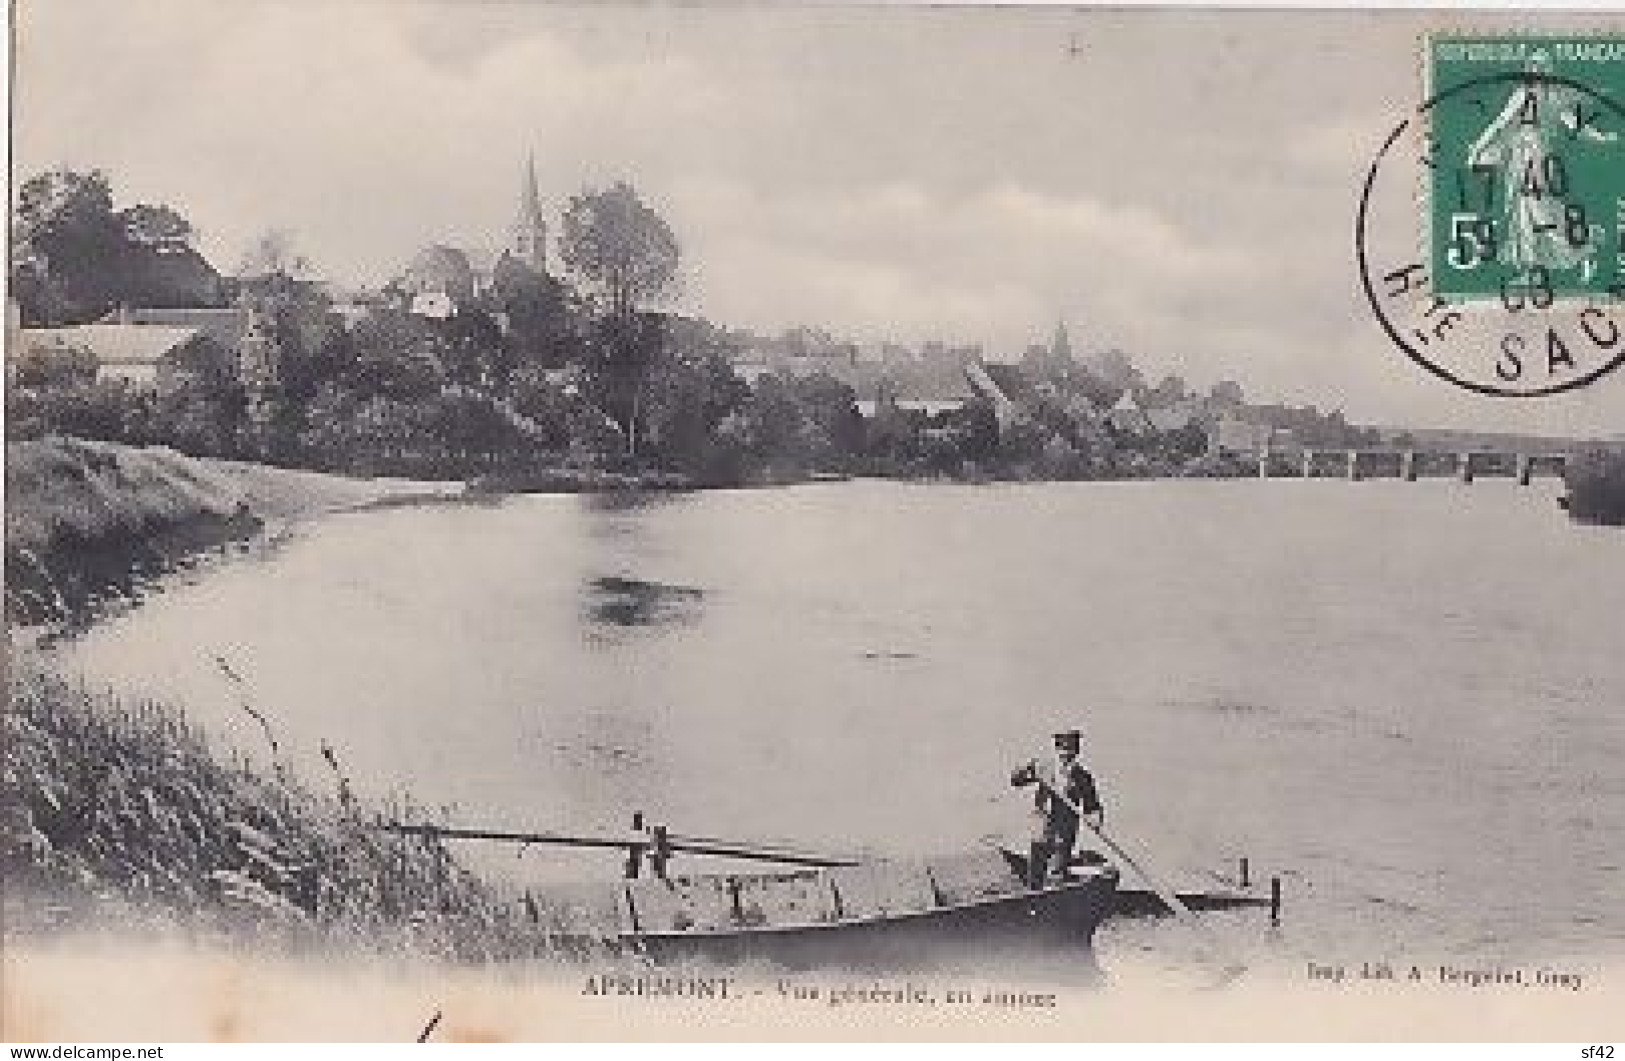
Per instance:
x=1525, y=168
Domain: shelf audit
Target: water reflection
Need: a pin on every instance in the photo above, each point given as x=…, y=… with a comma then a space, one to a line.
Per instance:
x=615, y=601
x=632, y=501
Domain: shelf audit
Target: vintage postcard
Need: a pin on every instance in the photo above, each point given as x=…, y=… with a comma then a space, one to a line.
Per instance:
x=528, y=521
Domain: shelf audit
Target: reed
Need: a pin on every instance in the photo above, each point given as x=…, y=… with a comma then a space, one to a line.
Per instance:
x=119, y=812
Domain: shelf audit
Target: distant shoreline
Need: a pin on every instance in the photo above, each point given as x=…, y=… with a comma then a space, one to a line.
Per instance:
x=89, y=520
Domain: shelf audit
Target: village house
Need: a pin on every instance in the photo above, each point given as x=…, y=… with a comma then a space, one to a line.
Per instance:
x=1128, y=417
x=147, y=356
x=1229, y=434
x=437, y=281
x=1017, y=397
x=1177, y=416
x=225, y=326
x=1002, y=386
x=929, y=387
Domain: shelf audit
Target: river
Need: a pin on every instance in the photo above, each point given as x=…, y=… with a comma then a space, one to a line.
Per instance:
x=1403, y=697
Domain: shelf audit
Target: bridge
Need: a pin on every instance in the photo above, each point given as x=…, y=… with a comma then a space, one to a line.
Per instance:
x=1407, y=464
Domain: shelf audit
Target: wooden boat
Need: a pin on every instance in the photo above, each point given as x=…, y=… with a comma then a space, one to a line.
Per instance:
x=962, y=912
x=971, y=910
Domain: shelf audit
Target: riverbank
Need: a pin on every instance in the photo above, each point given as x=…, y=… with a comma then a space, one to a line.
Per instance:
x=120, y=816
x=85, y=521
x=565, y=480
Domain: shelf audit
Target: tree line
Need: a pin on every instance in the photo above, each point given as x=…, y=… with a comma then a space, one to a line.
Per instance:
x=587, y=370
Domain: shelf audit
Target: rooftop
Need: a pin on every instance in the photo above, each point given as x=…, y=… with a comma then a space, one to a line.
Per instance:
x=113, y=344
x=224, y=326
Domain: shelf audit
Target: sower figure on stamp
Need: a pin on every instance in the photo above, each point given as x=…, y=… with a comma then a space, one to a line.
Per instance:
x=1055, y=823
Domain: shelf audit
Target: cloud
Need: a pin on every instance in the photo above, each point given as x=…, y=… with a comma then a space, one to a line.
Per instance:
x=332, y=122
x=1340, y=146
x=993, y=264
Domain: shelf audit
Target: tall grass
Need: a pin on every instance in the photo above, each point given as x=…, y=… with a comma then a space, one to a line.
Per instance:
x=118, y=812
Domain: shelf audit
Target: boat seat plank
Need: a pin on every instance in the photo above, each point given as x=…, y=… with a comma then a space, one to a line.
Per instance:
x=683, y=903
x=972, y=875
x=879, y=888
x=801, y=898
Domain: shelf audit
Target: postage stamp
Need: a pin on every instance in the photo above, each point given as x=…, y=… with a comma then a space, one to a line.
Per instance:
x=1489, y=235
x=1526, y=182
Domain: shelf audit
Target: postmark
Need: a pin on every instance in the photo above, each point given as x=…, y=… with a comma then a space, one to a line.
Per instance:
x=1490, y=237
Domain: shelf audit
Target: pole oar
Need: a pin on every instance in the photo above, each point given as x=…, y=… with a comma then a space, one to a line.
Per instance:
x=707, y=845
x=1175, y=905
x=690, y=845
x=451, y=832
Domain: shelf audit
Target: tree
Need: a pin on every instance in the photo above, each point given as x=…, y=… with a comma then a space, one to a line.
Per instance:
x=105, y=409
x=394, y=355
x=203, y=416
x=620, y=248
x=978, y=427
x=1114, y=368
x=835, y=427
x=274, y=254
x=307, y=343
x=626, y=256
x=473, y=353
x=777, y=426
x=156, y=226
x=51, y=205
x=69, y=262
x=76, y=257
x=692, y=390
x=549, y=403
x=1227, y=394
x=541, y=320
x=73, y=365
x=1170, y=391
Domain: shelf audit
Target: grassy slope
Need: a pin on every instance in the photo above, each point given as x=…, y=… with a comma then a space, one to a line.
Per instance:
x=88, y=522
x=63, y=489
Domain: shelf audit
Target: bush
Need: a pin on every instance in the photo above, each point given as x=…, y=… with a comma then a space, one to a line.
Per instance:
x=1596, y=487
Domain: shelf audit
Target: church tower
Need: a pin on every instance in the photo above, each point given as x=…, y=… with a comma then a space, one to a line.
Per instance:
x=529, y=236
x=1060, y=348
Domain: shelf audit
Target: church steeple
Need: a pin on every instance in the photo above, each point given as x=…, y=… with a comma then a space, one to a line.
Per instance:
x=1060, y=349
x=529, y=242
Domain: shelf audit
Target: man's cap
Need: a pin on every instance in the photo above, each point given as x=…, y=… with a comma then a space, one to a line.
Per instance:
x=1069, y=734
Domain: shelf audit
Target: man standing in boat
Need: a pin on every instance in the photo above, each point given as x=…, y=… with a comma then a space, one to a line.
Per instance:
x=1055, y=820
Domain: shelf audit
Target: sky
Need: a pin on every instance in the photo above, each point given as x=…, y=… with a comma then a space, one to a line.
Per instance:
x=1181, y=185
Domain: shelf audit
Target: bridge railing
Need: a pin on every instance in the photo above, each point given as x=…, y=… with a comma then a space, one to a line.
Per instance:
x=1407, y=464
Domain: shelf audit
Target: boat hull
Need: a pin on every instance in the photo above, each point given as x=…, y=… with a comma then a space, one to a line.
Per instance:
x=1054, y=924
